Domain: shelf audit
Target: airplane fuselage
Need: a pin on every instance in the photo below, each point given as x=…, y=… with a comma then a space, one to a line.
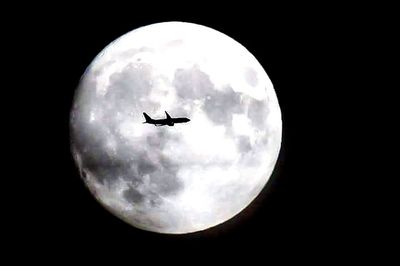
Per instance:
x=167, y=122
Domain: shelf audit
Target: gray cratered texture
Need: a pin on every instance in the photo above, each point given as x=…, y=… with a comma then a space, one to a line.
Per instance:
x=191, y=176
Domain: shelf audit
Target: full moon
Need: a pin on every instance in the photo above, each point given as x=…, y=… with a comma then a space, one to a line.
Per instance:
x=186, y=177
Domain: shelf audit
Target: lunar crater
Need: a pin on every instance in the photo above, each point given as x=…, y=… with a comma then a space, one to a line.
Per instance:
x=134, y=196
x=251, y=77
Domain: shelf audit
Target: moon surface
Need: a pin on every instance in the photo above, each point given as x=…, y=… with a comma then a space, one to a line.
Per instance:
x=187, y=177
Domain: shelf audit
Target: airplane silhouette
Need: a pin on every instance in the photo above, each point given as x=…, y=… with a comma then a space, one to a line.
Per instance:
x=169, y=121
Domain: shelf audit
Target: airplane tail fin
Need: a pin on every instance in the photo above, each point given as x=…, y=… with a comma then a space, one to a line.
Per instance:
x=147, y=117
x=168, y=116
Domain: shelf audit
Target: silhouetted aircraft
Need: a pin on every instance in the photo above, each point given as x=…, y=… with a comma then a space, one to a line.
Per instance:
x=169, y=121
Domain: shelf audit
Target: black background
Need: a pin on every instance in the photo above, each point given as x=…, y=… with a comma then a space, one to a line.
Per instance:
x=304, y=211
